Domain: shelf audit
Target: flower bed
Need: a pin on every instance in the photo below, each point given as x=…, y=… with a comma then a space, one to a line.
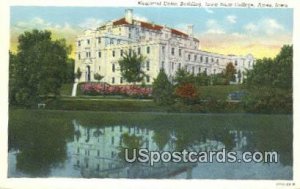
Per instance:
x=106, y=89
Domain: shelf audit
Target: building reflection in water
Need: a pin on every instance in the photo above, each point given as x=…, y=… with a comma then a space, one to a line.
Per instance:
x=95, y=152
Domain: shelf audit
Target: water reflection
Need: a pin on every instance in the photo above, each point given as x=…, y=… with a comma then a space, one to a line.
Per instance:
x=79, y=150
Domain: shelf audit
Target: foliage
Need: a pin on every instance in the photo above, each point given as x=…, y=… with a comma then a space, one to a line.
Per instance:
x=40, y=67
x=98, y=77
x=78, y=73
x=230, y=72
x=70, y=76
x=131, y=65
x=162, y=89
x=269, y=84
x=182, y=77
x=126, y=90
x=187, y=92
x=202, y=79
x=219, y=79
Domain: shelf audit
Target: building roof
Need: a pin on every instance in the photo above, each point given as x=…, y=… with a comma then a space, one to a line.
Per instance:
x=151, y=26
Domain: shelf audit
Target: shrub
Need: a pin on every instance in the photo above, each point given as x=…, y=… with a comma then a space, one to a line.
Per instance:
x=105, y=89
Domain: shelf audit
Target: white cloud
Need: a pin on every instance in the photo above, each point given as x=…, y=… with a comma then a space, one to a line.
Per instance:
x=251, y=28
x=140, y=18
x=231, y=19
x=90, y=23
x=214, y=27
x=266, y=26
x=209, y=11
x=64, y=30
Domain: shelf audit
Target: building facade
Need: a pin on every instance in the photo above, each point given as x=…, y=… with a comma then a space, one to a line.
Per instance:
x=99, y=50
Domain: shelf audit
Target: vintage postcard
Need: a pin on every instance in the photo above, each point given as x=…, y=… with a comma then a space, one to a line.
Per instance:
x=171, y=93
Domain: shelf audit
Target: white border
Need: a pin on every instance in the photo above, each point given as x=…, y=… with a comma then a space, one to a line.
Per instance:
x=125, y=183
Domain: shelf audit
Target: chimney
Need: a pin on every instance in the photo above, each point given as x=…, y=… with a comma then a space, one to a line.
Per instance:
x=129, y=16
x=190, y=29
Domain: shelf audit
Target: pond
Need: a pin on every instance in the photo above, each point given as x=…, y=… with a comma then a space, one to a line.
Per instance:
x=76, y=144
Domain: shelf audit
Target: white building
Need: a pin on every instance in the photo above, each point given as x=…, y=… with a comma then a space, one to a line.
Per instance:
x=99, y=50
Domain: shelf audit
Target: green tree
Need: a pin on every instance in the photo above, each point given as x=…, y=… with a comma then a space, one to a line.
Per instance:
x=41, y=66
x=183, y=77
x=202, y=79
x=131, y=65
x=230, y=72
x=269, y=84
x=78, y=73
x=13, y=60
x=98, y=77
x=70, y=71
x=162, y=89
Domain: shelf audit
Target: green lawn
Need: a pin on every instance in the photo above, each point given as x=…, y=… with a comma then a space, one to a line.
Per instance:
x=218, y=91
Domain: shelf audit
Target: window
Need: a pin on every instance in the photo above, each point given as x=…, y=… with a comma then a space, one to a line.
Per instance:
x=111, y=41
x=121, y=52
x=139, y=50
x=98, y=153
x=99, y=40
x=148, y=50
x=112, y=140
x=147, y=79
x=112, y=128
x=99, y=68
x=78, y=56
x=88, y=41
x=118, y=41
x=193, y=70
x=112, y=80
x=129, y=35
x=195, y=57
x=162, y=64
x=201, y=58
x=235, y=62
x=88, y=54
x=121, y=79
x=113, y=68
x=205, y=71
x=99, y=54
x=206, y=59
x=79, y=43
x=172, y=51
x=163, y=49
x=217, y=60
x=148, y=65
x=172, y=64
x=179, y=52
x=189, y=57
x=113, y=53
x=199, y=70
x=179, y=65
x=212, y=60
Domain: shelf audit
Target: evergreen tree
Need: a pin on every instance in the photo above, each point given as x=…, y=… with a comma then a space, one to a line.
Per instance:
x=162, y=89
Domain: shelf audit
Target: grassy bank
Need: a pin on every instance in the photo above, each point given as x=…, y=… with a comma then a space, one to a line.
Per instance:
x=105, y=104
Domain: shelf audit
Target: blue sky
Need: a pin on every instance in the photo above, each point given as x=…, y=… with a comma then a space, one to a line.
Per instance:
x=214, y=27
